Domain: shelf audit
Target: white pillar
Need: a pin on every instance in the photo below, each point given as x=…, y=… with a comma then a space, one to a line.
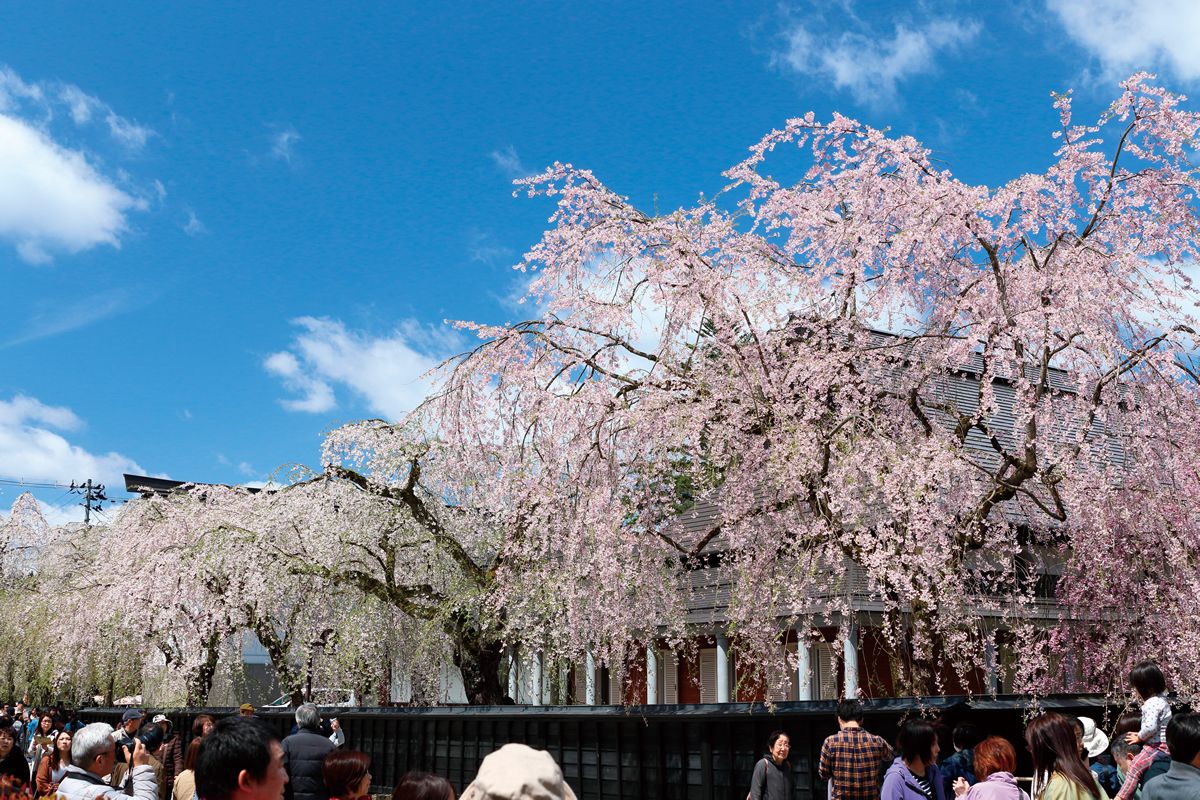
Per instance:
x=651, y=676
x=536, y=687
x=514, y=674
x=722, y=668
x=804, y=667
x=850, y=659
x=564, y=684
x=590, y=676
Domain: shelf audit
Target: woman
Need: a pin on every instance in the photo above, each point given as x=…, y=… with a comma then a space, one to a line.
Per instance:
x=914, y=774
x=170, y=753
x=12, y=763
x=184, y=787
x=423, y=786
x=346, y=774
x=1058, y=771
x=995, y=761
x=42, y=740
x=201, y=725
x=52, y=769
x=772, y=777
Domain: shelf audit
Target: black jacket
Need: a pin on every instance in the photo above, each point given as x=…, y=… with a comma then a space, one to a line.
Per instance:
x=772, y=781
x=14, y=765
x=303, y=753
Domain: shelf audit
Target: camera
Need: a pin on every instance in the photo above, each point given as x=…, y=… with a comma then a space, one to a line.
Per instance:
x=149, y=734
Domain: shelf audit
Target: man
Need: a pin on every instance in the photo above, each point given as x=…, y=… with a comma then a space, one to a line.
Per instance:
x=1182, y=781
x=93, y=756
x=241, y=759
x=1123, y=753
x=853, y=760
x=131, y=720
x=962, y=763
x=149, y=735
x=303, y=753
x=246, y=710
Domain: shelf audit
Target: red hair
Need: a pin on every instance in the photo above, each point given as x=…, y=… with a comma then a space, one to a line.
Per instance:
x=994, y=755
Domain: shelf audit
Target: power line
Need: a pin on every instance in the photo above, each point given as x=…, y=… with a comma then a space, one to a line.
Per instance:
x=32, y=484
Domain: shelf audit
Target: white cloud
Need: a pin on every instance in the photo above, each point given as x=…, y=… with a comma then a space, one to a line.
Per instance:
x=282, y=144
x=30, y=447
x=1131, y=35
x=385, y=372
x=52, y=198
x=508, y=162
x=194, y=227
x=868, y=65
x=49, y=319
x=483, y=247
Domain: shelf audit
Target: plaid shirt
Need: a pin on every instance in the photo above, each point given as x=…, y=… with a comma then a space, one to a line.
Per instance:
x=855, y=760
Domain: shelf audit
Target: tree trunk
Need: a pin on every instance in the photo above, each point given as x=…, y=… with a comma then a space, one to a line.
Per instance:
x=290, y=680
x=199, y=681
x=478, y=659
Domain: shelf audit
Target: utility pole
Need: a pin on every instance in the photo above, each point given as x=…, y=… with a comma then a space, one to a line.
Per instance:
x=92, y=495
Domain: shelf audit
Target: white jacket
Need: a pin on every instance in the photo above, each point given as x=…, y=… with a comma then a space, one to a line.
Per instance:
x=79, y=784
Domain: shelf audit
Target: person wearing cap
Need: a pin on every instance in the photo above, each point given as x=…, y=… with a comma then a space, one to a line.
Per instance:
x=245, y=710
x=518, y=772
x=170, y=753
x=131, y=720
x=1095, y=745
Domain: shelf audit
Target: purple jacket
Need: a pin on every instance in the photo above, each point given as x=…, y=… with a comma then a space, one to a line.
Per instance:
x=998, y=786
x=898, y=783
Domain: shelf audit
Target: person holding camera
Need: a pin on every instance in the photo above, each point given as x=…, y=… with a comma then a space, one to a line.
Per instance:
x=93, y=756
x=151, y=736
x=131, y=720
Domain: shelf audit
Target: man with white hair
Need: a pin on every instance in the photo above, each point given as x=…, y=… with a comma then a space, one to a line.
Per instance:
x=93, y=755
x=303, y=754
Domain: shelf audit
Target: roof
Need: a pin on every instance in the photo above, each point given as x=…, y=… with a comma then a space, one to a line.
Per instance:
x=146, y=486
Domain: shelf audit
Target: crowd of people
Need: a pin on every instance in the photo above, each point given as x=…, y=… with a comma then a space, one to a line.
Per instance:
x=1152, y=754
x=49, y=753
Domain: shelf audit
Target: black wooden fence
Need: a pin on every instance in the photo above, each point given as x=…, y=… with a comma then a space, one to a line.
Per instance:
x=705, y=752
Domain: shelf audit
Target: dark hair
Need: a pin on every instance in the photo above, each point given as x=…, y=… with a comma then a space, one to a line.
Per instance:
x=151, y=735
x=55, y=753
x=189, y=759
x=775, y=736
x=46, y=715
x=343, y=770
x=1053, y=746
x=1077, y=726
x=967, y=736
x=1120, y=749
x=916, y=740
x=423, y=786
x=198, y=724
x=1148, y=679
x=850, y=710
x=235, y=744
x=993, y=755
x=1183, y=737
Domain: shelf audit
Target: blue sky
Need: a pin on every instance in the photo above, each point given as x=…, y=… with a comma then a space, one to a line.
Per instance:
x=224, y=227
